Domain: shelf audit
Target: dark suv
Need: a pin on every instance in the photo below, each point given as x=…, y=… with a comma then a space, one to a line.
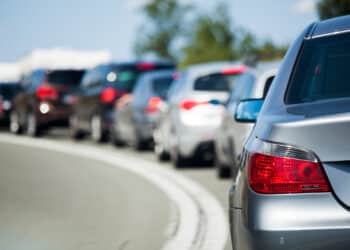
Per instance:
x=94, y=110
x=44, y=100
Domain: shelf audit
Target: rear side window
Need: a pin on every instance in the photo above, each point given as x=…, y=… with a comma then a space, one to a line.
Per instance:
x=161, y=85
x=268, y=85
x=65, y=77
x=215, y=82
x=322, y=71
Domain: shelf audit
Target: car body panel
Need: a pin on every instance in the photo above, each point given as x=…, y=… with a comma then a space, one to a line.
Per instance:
x=316, y=221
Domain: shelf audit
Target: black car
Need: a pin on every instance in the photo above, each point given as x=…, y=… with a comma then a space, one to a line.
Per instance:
x=7, y=92
x=135, y=122
x=93, y=112
x=44, y=100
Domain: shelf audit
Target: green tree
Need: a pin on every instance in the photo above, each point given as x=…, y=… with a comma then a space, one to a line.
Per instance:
x=333, y=8
x=163, y=26
x=212, y=39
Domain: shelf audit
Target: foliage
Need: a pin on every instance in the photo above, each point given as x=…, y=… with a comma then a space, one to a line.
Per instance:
x=333, y=8
x=163, y=25
x=212, y=39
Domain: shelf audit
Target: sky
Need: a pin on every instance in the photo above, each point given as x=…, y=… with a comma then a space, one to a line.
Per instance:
x=112, y=24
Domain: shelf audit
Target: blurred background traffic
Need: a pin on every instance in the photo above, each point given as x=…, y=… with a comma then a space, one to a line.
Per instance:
x=163, y=74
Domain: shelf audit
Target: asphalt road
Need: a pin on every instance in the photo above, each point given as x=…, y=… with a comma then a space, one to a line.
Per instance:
x=53, y=200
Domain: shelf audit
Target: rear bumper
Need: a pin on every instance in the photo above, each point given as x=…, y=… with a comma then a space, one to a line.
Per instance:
x=190, y=140
x=313, y=221
x=58, y=114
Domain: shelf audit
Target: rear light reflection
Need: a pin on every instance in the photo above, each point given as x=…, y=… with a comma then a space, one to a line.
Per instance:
x=281, y=175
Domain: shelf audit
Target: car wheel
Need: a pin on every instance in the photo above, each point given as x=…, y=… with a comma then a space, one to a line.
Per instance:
x=223, y=171
x=15, y=126
x=178, y=160
x=75, y=132
x=97, y=133
x=160, y=152
x=139, y=144
x=33, y=129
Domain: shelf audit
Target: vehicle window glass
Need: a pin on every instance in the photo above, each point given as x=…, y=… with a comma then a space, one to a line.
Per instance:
x=268, y=85
x=161, y=85
x=8, y=90
x=65, y=77
x=321, y=71
x=243, y=88
x=177, y=85
x=123, y=79
x=215, y=82
x=35, y=80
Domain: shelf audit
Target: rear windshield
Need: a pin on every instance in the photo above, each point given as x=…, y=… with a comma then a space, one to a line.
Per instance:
x=125, y=77
x=215, y=82
x=322, y=71
x=8, y=91
x=66, y=77
x=161, y=85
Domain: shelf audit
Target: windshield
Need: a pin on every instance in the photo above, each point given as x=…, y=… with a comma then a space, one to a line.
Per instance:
x=322, y=71
x=8, y=91
x=65, y=77
x=215, y=82
x=123, y=79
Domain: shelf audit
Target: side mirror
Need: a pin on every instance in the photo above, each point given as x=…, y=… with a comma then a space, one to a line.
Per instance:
x=248, y=110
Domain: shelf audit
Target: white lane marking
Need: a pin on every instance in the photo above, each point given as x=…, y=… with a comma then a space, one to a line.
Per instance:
x=202, y=222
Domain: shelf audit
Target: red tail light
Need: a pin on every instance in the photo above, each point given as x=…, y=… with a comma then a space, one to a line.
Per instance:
x=145, y=66
x=153, y=105
x=190, y=104
x=108, y=95
x=47, y=92
x=281, y=175
x=234, y=70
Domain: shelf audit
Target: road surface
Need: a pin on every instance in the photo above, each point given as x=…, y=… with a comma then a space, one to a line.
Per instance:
x=53, y=199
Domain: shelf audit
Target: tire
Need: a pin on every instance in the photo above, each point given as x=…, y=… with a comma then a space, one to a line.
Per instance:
x=223, y=170
x=98, y=135
x=32, y=127
x=161, y=154
x=115, y=139
x=178, y=160
x=15, y=126
x=139, y=144
x=75, y=132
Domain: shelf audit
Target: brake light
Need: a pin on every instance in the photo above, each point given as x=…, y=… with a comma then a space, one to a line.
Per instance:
x=145, y=66
x=47, y=92
x=190, y=104
x=234, y=70
x=108, y=95
x=153, y=105
x=275, y=174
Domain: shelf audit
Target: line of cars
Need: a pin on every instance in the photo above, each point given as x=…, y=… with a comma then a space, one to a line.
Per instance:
x=145, y=105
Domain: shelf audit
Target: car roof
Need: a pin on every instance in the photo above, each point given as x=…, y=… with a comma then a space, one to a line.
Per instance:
x=134, y=63
x=195, y=71
x=333, y=26
x=159, y=73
